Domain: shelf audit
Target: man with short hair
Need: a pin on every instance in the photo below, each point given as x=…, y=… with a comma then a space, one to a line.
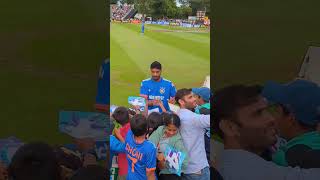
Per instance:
x=141, y=153
x=297, y=111
x=192, y=131
x=241, y=117
x=157, y=90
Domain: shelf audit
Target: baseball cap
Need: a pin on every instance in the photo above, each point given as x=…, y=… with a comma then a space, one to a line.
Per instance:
x=301, y=97
x=203, y=92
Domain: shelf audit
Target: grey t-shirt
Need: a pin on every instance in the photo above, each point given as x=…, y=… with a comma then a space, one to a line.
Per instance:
x=240, y=164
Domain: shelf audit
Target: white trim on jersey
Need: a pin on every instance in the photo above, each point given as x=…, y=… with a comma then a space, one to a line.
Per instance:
x=166, y=80
x=146, y=79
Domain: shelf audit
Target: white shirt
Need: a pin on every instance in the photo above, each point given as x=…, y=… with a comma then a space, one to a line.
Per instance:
x=192, y=131
x=240, y=164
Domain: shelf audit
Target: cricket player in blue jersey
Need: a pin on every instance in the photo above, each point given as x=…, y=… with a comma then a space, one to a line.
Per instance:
x=156, y=90
x=142, y=27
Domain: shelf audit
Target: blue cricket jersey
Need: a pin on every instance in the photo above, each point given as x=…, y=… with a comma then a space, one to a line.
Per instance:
x=142, y=28
x=141, y=158
x=163, y=90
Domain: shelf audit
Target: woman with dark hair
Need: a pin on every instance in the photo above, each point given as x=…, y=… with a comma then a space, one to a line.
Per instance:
x=168, y=135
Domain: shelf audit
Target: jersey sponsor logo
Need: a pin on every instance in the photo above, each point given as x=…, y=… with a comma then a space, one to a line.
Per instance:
x=151, y=97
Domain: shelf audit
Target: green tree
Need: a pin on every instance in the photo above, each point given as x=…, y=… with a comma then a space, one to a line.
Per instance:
x=197, y=5
x=184, y=11
x=143, y=7
x=170, y=8
x=164, y=9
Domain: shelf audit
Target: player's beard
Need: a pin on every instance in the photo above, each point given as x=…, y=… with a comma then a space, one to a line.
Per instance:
x=156, y=78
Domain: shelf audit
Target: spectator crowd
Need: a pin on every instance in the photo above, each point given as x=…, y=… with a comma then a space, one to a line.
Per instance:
x=118, y=12
x=143, y=140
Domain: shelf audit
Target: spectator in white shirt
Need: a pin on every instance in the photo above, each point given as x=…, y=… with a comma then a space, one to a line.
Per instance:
x=192, y=131
x=242, y=119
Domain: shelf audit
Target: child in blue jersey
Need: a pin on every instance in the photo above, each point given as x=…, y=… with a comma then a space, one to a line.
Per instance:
x=157, y=90
x=141, y=153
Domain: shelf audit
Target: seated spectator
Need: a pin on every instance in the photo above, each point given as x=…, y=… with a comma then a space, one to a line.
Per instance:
x=241, y=118
x=34, y=161
x=168, y=135
x=297, y=117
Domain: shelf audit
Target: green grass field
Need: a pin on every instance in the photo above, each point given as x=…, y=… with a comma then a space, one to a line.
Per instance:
x=49, y=61
x=185, y=58
x=256, y=41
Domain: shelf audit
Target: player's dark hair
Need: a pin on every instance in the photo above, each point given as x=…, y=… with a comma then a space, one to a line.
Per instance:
x=121, y=115
x=34, y=161
x=139, y=125
x=181, y=93
x=172, y=119
x=155, y=65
